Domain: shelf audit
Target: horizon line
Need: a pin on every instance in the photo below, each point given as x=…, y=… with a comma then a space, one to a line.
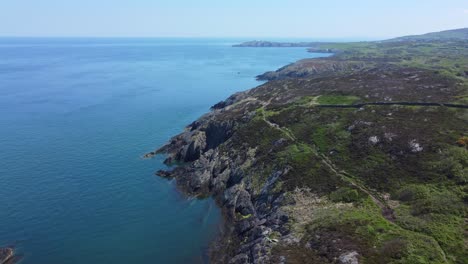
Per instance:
x=204, y=37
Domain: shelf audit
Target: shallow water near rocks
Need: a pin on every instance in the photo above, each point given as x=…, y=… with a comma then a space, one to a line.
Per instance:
x=76, y=116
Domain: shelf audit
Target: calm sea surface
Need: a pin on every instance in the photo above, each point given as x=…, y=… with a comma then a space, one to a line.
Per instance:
x=75, y=117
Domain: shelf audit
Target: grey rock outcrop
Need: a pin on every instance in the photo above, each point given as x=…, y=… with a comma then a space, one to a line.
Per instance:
x=349, y=258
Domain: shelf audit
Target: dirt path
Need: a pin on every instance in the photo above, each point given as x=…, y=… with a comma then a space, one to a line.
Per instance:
x=276, y=126
x=387, y=212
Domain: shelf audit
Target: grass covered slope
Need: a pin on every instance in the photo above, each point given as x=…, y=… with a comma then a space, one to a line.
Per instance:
x=454, y=34
x=357, y=158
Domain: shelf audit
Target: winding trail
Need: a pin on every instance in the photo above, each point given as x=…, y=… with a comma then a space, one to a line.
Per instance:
x=285, y=131
x=387, y=212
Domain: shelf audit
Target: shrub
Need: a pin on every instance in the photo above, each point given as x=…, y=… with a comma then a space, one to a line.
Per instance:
x=345, y=194
x=463, y=141
x=394, y=248
x=440, y=203
x=412, y=192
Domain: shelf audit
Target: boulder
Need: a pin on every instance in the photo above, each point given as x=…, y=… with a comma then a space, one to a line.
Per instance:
x=349, y=258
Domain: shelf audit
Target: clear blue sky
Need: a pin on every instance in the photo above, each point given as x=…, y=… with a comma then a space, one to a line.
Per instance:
x=230, y=18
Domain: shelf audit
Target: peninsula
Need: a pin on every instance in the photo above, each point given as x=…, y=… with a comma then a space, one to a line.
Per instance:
x=361, y=157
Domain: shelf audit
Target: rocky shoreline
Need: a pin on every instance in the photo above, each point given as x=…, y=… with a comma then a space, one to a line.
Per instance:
x=264, y=157
x=210, y=172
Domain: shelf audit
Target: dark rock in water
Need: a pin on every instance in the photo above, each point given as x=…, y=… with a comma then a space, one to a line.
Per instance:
x=163, y=173
x=149, y=155
x=6, y=254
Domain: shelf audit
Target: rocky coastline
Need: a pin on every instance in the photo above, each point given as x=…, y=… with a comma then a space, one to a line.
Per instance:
x=210, y=171
x=265, y=158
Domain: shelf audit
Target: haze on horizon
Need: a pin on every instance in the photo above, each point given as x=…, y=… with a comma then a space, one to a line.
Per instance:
x=240, y=18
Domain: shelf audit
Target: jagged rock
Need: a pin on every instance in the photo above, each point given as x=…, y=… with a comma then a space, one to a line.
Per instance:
x=244, y=226
x=240, y=259
x=163, y=173
x=290, y=240
x=374, y=140
x=194, y=149
x=149, y=155
x=349, y=258
x=280, y=142
x=217, y=133
x=415, y=146
x=282, y=259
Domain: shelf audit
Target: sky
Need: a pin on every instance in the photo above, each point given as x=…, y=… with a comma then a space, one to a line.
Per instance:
x=232, y=18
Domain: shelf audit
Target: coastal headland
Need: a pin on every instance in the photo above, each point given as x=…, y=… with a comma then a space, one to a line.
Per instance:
x=361, y=157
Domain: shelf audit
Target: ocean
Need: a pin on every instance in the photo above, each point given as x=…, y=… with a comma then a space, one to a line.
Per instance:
x=76, y=116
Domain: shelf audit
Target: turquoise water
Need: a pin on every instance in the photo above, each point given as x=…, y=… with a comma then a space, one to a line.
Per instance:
x=77, y=114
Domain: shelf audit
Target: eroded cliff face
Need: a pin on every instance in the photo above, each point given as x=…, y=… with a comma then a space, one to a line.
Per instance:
x=320, y=166
x=218, y=166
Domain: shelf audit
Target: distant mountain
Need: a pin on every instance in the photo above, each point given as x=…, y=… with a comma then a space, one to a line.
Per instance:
x=454, y=34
